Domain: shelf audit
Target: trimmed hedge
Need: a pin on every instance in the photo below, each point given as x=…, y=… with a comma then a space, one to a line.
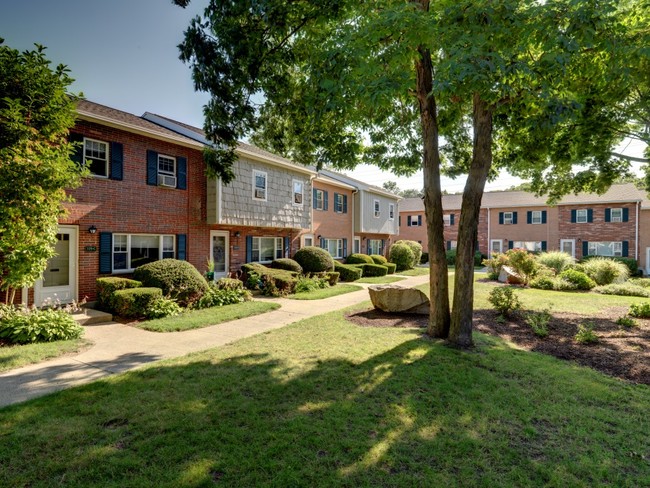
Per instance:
x=370, y=270
x=391, y=267
x=314, y=259
x=287, y=264
x=415, y=247
x=106, y=287
x=333, y=277
x=581, y=280
x=358, y=258
x=402, y=255
x=135, y=302
x=623, y=289
x=270, y=280
x=379, y=259
x=348, y=272
x=177, y=279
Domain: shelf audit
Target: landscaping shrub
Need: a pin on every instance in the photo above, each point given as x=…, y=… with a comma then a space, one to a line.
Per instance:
x=357, y=258
x=177, y=279
x=640, y=310
x=504, y=300
x=229, y=284
x=272, y=282
x=523, y=263
x=626, y=321
x=370, y=270
x=107, y=286
x=306, y=284
x=579, y=279
x=402, y=256
x=28, y=325
x=314, y=259
x=416, y=249
x=631, y=263
x=538, y=321
x=543, y=283
x=496, y=262
x=135, y=302
x=605, y=271
x=451, y=257
x=287, y=264
x=391, y=267
x=348, y=272
x=333, y=277
x=218, y=297
x=163, y=307
x=478, y=258
x=586, y=334
x=560, y=284
x=556, y=260
x=378, y=259
x=644, y=282
x=425, y=258
x=624, y=289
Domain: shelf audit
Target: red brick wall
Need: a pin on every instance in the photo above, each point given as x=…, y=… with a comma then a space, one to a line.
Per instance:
x=330, y=224
x=415, y=232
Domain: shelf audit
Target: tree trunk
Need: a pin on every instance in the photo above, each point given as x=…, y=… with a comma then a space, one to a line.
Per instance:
x=439, y=317
x=460, y=333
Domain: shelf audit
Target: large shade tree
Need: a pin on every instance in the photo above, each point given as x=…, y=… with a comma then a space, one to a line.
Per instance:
x=36, y=111
x=528, y=86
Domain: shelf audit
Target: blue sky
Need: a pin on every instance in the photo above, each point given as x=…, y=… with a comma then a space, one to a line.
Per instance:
x=122, y=53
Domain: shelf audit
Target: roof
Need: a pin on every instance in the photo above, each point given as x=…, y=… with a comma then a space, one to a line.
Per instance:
x=619, y=193
x=357, y=183
x=331, y=181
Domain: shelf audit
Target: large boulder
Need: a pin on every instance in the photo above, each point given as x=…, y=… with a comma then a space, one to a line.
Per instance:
x=509, y=276
x=395, y=298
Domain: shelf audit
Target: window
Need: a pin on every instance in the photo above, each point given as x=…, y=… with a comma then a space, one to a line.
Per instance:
x=266, y=249
x=413, y=220
x=96, y=157
x=532, y=246
x=308, y=240
x=357, y=245
x=338, y=203
x=166, y=171
x=318, y=200
x=446, y=219
x=581, y=216
x=605, y=248
x=374, y=246
x=297, y=193
x=616, y=215
x=376, y=207
x=133, y=250
x=536, y=217
x=259, y=185
x=391, y=211
x=334, y=247
x=507, y=218
x=451, y=245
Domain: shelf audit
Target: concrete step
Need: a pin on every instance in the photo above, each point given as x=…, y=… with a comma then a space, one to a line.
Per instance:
x=90, y=316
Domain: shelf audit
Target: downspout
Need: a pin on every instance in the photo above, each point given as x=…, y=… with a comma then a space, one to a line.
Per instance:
x=489, y=242
x=354, y=192
x=636, y=235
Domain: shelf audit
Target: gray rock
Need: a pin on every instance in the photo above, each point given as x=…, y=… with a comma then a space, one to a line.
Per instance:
x=395, y=298
x=508, y=275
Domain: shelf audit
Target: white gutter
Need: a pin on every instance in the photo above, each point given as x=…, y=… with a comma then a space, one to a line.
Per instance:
x=354, y=192
x=489, y=241
x=361, y=227
x=636, y=236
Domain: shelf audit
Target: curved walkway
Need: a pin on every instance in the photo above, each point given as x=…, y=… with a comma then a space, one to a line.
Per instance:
x=118, y=347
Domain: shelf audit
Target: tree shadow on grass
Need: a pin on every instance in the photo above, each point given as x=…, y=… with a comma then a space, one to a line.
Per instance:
x=419, y=414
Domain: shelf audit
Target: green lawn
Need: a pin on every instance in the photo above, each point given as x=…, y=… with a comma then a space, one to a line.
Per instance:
x=381, y=279
x=207, y=316
x=324, y=402
x=414, y=272
x=331, y=291
x=12, y=357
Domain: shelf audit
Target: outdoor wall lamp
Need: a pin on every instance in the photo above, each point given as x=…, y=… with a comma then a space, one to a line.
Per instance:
x=92, y=229
x=237, y=234
x=319, y=237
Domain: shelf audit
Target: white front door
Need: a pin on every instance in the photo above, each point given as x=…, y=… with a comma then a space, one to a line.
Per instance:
x=59, y=282
x=568, y=246
x=496, y=245
x=219, y=250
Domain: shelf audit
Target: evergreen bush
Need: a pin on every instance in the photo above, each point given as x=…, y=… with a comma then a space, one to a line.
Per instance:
x=178, y=280
x=314, y=259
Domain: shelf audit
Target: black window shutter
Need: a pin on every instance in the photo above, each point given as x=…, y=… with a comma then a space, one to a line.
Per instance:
x=529, y=217
x=117, y=161
x=152, y=167
x=381, y=249
x=181, y=247
x=511, y=244
x=345, y=204
x=608, y=215
x=78, y=153
x=313, y=197
x=420, y=220
x=345, y=248
x=543, y=216
x=626, y=248
x=590, y=215
x=181, y=173
x=287, y=247
x=501, y=218
x=573, y=216
x=544, y=246
x=585, y=248
x=399, y=220
x=514, y=217
x=322, y=243
x=448, y=245
x=325, y=198
x=626, y=214
x=451, y=219
x=408, y=221
x=249, y=249
x=336, y=195
x=105, y=252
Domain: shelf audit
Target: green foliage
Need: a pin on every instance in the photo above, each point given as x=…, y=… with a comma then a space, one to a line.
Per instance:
x=357, y=258
x=556, y=260
x=391, y=267
x=229, y=284
x=450, y=256
x=577, y=278
x=626, y=321
x=270, y=281
x=538, y=321
x=640, y=310
x=287, y=264
x=504, y=300
x=36, y=112
x=347, y=272
x=177, y=279
x=306, y=284
x=333, y=277
x=586, y=334
x=370, y=270
x=495, y=264
x=402, y=256
x=135, y=302
x=314, y=259
x=605, y=271
x=378, y=259
x=523, y=263
x=623, y=289
x=556, y=283
x=25, y=326
x=106, y=287
x=416, y=249
x=163, y=307
x=644, y=282
x=631, y=263
x=478, y=258
x=218, y=296
x=425, y=258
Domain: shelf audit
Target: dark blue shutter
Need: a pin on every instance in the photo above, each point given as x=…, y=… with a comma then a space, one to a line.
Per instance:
x=325, y=198
x=381, y=249
x=544, y=246
x=448, y=245
x=322, y=243
x=181, y=173
x=626, y=214
x=511, y=244
x=501, y=218
x=335, y=195
x=420, y=220
x=585, y=248
x=626, y=249
x=529, y=217
x=514, y=217
x=152, y=168
x=249, y=249
x=543, y=216
x=78, y=153
x=181, y=247
x=590, y=215
x=287, y=247
x=105, y=252
x=313, y=198
x=573, y=216
x=345, y=204
x=117, y=161
x=399, y=220
x=451, y=219
x=408, y=221
x=608, y=215
x=345, y=248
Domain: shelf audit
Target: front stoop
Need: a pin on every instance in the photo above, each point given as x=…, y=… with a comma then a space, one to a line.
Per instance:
x=90, y=316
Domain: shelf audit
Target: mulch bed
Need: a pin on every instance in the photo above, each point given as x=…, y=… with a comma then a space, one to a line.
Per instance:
x=621, y=351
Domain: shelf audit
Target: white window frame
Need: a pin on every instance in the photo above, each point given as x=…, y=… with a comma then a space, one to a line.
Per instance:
x=370, y=246
x=618, y=218
x=391, y=211
x=530, y=246
x=320, y=202
x=446, y=220
x=616, y=247
x=278, y=251
x=108, y=158
x=339, y=247
x=508, y=218
x=582, y=216
x=453, y=245
x=161, y=248
x=338, y=208
x=500, y=245
x=305, y=238
x=257, y=173
x=356, y=247
x=295, y=193
x=536, y=217
x=166, y=172
x=376, y=208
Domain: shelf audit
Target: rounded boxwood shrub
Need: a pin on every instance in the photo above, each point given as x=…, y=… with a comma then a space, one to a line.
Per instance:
x=348, y=272
x=314, y=259
x=109, y=285
x=357, y=258
x=402, y=256
x=370, y=270
x=391, y=267
x=287, y=264
x=416, y=248
x=178, y=280
x=136, y=302
x=378, y=259
x=581, y=280
x=333, y=277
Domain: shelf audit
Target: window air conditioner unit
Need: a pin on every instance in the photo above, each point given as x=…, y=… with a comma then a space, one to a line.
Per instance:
x=166, y=180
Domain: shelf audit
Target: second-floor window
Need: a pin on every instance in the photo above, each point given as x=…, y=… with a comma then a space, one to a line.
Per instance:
x=391, y=211
x=297, y=193
x=377, y=212
x=166, y=171
x=536, y=217
x=616, y=215
x=259, y=185
x=338, y=202
x=414, y=220
x=96, y=156
x=581, y=216
x=508, y=218
x=319, y=199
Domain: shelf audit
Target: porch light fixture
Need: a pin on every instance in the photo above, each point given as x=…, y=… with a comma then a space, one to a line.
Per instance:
x=319, y=237
x=237, y=234
x=92, y=229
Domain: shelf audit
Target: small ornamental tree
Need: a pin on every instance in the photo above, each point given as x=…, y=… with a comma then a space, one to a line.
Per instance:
x=36, y=112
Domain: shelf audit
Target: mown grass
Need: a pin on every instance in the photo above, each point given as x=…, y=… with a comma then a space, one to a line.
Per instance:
x=380, y=279
x=16, y=356
x=419, y=271
x=324, y=402
x=195, y=319
x=321, y=293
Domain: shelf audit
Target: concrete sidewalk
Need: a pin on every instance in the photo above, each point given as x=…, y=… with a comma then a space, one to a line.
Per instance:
x=118, y=347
